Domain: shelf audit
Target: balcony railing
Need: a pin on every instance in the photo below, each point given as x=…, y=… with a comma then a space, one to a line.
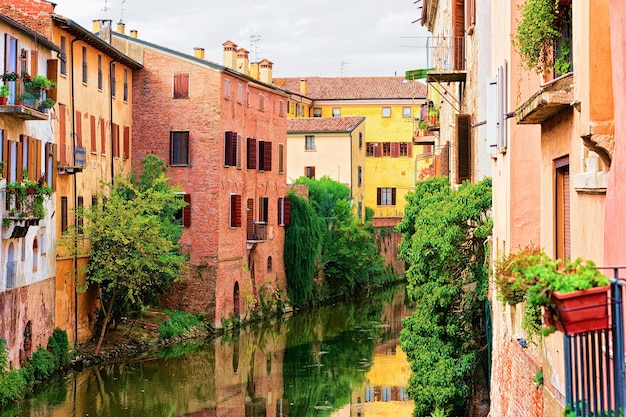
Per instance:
x=446, y=53
x=72, y=159
x=595, y=378
x=257, y=232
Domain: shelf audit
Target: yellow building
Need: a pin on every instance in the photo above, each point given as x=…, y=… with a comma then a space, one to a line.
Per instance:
x=93, y=136
x=329, y=147
x=391, y=106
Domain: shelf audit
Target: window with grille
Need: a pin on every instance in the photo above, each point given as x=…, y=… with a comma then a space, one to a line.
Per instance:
x=179, y=148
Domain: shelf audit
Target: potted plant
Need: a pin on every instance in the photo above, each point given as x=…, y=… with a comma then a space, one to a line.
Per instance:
x=10, y=76
x=39, y=83
x=48, y=103
x=5, y=92
x=28, y=99
x=552, y=286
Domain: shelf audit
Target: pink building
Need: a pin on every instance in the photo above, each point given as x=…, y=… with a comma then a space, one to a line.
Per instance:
x=222, y=133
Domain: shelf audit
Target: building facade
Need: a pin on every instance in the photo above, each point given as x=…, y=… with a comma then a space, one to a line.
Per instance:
x=222, y=134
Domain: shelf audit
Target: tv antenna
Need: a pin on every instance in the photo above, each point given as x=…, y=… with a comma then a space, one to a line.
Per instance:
x=343, y=64
x=122, y=12
x=254, y=45
x=106, y=8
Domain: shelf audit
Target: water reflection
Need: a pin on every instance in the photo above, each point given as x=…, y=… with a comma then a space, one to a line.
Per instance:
x=336, y=361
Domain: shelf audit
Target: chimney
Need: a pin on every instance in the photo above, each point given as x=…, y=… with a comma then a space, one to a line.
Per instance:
x=230, y=54
x=265, y=71
x=95, y=26
x=102, y=28
x=254, y=70
x=121, y=27
x=303, y=89
x=198, y=52
x=133, y=33
x=243, y=62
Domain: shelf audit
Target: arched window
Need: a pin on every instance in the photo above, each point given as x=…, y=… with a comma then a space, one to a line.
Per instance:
x=35, y=254
x=269, y=264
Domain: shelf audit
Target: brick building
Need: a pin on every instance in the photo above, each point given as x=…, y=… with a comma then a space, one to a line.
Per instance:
x=222, y=133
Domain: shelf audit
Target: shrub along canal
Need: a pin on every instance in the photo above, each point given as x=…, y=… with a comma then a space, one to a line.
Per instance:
x=341, y=360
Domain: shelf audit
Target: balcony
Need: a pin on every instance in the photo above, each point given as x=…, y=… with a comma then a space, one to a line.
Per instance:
x=448, y=59
x=552, y=98
x=71, y=159
x=22, y=112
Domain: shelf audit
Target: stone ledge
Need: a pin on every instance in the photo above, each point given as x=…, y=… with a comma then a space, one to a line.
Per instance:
x=551, y=99
x=591, y=182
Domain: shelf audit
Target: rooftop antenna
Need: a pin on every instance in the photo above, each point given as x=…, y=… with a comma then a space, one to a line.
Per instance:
x=106, y=8
x=343, y=64
x=254, y=45
x=122, y=12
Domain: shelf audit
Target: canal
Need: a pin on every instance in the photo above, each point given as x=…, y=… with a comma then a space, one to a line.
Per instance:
x=338, y=361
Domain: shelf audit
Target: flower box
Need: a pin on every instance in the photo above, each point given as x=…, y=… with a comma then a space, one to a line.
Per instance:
x=584, y=310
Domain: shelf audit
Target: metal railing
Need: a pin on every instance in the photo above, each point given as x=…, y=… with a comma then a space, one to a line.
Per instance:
x=595, y=365
x=446, y=52
x=257, y=232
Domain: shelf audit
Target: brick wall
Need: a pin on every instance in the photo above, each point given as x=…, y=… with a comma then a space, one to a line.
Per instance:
x=35, y=14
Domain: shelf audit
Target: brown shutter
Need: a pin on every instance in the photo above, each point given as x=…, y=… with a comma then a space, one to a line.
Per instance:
x=409, y=149
x=92, y=126
x=267, y=160
x=393, y=196
x=34, y=63
x=103, y=138
x=5, y=156
x=62, y=134
x=187, y=210
x=395, y=149
x=79, y=129
x=287, y=211
x=54, y=152
x=238, y=211
x=31, y=158
x=378, y=149
x=458, y=22
x=126, y=142
x=53, y=75
x=228, y=149
x=250, y=219
x=116, y=140
x=251, y=150
x=379, y=197
x=181, y=85
x=20, y=158
x=463, y=147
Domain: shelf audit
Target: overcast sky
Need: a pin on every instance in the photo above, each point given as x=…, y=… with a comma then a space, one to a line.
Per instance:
x=301, y=37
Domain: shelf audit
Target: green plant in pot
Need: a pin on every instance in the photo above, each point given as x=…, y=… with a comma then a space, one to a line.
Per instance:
x=28, y=99
x=5, y=92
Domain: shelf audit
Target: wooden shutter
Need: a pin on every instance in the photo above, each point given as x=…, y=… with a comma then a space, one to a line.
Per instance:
x=395, y=149
x=458, y=22
x=393, y=196
x=409, y=149
x=281, y=163
x=20, y=158
x=181, y=85
x=267, y=156
x=187, y=210
x=251, y=150
x=53, y=75
x=79, y=129
x=463, y=147
x=379, y=196
x=126, y=142
x=250, y=219
x=228, y=145
x=287, y=211
x=92, y=127
x=62, y=135
x=378, y=149
x=5, y=156
x=235, y=210
x=103, y=138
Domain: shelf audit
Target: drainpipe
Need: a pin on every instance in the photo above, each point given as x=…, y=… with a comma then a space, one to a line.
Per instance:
x=111, y=117
x=75, y=256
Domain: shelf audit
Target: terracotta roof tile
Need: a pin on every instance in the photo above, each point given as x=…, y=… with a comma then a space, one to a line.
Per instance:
x=323, y=124
x=327, y=88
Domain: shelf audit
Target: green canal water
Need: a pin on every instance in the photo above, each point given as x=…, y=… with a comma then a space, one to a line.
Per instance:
x=338, y=361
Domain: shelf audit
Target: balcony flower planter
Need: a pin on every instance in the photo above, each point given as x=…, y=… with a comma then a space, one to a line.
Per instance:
x=582, y=311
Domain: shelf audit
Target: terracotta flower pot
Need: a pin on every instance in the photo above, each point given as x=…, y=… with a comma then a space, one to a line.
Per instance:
x=4, y=101
x=583, y=311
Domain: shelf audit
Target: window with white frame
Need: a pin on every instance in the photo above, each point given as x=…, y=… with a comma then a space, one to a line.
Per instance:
x=309, y=142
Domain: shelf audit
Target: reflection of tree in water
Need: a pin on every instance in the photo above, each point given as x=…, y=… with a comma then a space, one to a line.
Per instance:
x=328, y=351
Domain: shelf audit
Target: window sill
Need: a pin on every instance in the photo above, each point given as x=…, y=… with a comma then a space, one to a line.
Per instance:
x=591, y=182
x=179, y=165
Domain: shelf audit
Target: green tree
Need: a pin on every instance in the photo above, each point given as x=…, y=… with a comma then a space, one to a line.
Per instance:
x=133, y=250
x=443, y=244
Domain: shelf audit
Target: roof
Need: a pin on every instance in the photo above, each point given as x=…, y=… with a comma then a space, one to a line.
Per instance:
x=94, y=40
x=38, y=37
x=351, y=88
x=324, y=124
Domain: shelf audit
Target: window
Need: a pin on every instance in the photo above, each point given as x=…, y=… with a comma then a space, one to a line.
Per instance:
x=179, y=148
x=406, y=112
x=63, y=45
x=464, y=163
x=181, y=85
x=265, y=155
x=227, y=89
x=103, y=138
x=562, y=208
x=386, y=149
x=99, y=72
x=263, y=207
x=183, y=216
x=369, y=149
x=92, y=130
x=309, y=172
x=235, y=210
x=79, y=215
x=284, y=211
x=360, y=176
x=317, y=112
x=261, y=102
x=251, y=152
x=281, y=108
x=116, y=140
x=35, y=254
x=232, y=153
x=309, y=142
x=63, y=215
x=84, y=65
x=336, y=112
x=386, y=196
x=404, y=149
x=281, y=158
x=360, y=140
x=386, y=111
x=113, y=81
x=125, y=97
x=239, y=93
x=126, y=143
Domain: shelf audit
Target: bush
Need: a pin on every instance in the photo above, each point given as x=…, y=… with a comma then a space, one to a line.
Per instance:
x=178, y=323
x=59, y=346
x=43, y=363
x=12, y=386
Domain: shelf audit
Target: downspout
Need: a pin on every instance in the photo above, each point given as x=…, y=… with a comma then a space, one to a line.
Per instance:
x=111, y=118
x=75, y=255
